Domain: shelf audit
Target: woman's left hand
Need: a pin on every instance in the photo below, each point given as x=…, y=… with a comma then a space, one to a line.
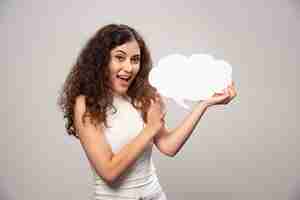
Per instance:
x=222, y=98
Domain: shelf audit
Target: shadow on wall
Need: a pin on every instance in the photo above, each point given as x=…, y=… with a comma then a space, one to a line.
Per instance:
x=5, y=195
x=294, y=193
x=295, y=4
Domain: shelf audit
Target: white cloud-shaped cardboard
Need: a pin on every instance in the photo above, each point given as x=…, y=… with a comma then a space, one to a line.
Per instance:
x=194, y=78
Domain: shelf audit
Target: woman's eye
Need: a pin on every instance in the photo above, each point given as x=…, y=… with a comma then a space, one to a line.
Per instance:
x=120, y=58
x=136, y=60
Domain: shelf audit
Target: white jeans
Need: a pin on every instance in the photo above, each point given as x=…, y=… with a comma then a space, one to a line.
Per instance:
x=152, y=191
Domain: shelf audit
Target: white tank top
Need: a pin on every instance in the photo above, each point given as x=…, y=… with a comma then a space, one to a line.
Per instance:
x=125, y=125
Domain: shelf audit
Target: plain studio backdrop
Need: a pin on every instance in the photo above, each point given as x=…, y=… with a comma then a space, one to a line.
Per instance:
x=248, y=149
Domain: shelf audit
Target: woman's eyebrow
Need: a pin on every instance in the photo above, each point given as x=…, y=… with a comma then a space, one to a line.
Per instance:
x=138, y=55
x=121, y=51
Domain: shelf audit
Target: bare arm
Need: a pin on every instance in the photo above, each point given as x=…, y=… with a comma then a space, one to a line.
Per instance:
x=107, y=164
x=170, y=142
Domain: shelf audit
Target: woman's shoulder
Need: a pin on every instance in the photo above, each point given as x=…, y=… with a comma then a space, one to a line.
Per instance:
x=80, y=99
x=79, y=105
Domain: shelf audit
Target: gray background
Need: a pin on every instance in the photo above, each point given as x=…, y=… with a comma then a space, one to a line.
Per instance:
x=248, y=149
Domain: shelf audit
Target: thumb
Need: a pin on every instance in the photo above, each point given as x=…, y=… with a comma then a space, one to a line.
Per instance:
x=151, y=101
x=164, y=114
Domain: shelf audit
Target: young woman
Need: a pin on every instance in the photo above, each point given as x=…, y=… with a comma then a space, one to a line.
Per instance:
x=118, y=116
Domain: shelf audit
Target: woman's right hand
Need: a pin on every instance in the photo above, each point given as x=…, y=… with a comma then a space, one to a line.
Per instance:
x=156, y=114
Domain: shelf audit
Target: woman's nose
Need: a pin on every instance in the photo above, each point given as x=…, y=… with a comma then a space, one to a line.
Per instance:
x=128, y=67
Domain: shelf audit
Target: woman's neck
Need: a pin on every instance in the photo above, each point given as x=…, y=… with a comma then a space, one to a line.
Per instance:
x=121, y=96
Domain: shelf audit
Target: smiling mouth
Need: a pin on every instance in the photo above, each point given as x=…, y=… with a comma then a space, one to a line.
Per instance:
x=124, y=78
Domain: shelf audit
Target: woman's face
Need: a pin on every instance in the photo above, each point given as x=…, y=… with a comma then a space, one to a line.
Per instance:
x=124, y=65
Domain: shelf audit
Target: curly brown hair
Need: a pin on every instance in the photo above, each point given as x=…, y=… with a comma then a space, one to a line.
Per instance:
x=89, y=76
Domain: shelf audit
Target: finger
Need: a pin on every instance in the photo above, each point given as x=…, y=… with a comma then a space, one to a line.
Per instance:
x=222, y=99
x=235, y=92
x=157, y=95
x=163, y=114
x=227, y=96
x=157, y=99
x=231, y=85
x=230, y=92
x=151, y=101
x=228, y=99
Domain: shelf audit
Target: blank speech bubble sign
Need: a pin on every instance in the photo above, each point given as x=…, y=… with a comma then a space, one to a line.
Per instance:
x=193, y=78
